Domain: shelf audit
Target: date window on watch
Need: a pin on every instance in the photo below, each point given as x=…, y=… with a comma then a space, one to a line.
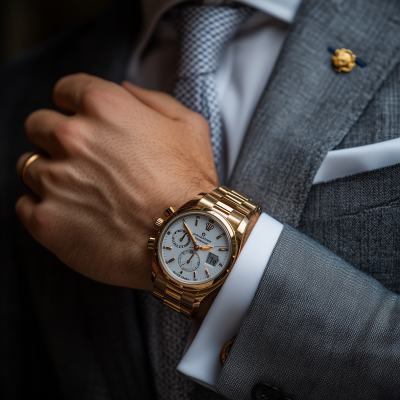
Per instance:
x=212, y=259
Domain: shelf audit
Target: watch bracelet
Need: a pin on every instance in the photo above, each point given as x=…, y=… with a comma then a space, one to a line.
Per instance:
x=237, y=209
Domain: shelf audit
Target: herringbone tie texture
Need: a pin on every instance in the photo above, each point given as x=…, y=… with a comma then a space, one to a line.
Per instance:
x=204, y=32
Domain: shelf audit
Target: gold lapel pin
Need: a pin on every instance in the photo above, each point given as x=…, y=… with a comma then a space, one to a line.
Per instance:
x=344, y=60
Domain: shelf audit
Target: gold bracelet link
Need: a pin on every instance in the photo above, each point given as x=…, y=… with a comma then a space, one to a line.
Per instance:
x=173, y=297
x=235, y=207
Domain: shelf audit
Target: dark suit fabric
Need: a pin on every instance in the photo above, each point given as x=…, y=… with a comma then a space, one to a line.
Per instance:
x=325, y=320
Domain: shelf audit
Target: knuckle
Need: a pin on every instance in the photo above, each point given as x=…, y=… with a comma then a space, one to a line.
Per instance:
x=67, y=78
x=19, y=205
x=200, y=124
x=165, y=97
x=31, y=121
x=59, y=83
x=49, y=177
x=91, y=94
x=63, y=131
x=96, y=100
x=80, y=75
x=67, y=135
x=40, y=223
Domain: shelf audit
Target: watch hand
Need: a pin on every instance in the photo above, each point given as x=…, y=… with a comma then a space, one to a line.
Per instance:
x=182, y=237
x=188, y=261
x=206, y=247
x=196, y=246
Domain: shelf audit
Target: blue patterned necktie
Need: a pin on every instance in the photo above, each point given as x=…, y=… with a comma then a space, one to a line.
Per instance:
x=204, y=32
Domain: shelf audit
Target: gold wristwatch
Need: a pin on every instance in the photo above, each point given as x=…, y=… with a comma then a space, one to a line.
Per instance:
x=197, y=245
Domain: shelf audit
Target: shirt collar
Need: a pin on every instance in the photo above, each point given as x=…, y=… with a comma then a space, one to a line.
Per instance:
x=284, y=10
x=153, y=10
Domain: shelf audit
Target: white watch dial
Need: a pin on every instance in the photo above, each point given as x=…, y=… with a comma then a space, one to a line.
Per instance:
x=198, y=261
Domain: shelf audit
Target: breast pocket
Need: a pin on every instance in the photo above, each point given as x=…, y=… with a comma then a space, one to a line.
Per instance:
x=354, y=160
x=358, y=218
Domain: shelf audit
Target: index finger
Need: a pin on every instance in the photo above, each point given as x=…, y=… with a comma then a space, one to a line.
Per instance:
x=69, y=91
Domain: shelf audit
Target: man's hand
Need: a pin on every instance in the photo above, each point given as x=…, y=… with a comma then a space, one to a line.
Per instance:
x=119, y=158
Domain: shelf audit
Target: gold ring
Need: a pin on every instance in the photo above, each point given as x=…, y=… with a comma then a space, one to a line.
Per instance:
x=28, y=162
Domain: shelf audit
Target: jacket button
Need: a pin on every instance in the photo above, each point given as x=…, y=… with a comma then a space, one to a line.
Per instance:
x=262, y=391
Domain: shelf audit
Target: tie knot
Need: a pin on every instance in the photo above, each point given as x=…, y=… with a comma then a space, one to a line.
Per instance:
x=204, y=31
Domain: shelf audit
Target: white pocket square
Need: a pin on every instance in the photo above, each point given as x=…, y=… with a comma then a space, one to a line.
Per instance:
x=341, y=163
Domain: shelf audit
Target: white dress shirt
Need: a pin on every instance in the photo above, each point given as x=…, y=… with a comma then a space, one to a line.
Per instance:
x=241, y=78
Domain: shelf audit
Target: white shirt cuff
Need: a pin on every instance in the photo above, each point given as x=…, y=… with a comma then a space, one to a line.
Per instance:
x=222, y=322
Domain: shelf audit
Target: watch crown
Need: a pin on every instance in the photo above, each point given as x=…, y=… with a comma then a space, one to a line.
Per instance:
x=169, y=211
x=151, y=243
x=158, y=223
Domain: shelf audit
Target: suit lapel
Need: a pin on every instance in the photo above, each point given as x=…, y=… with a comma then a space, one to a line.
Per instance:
x=308, y=108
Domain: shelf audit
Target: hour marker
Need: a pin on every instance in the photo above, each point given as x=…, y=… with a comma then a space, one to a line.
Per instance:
x=168, y=248
x=194, y=274
x=220, y=236
x=222, y=249
x=208, y=274
x=172, y=259
x=197, y=220
x=181, y=272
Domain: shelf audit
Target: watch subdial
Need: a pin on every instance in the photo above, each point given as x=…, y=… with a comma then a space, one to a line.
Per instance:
x=180, y=238
x=189, y=260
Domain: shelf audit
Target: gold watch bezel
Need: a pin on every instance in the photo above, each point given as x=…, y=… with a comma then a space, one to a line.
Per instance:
x=158, y=266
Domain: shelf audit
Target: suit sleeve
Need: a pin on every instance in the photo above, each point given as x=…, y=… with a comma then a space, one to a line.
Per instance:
x=317, y=328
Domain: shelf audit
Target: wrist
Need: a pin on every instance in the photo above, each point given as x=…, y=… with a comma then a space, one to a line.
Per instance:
x=252, y=223
x=179, y=196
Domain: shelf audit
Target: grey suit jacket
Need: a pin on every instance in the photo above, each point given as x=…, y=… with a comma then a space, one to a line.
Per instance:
x=325, y=321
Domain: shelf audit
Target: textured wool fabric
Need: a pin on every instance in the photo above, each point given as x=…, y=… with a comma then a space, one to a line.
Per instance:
x=308, y=330
x=358, y=218
x=317, y=329
x=381, y=120
x=204, y=32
